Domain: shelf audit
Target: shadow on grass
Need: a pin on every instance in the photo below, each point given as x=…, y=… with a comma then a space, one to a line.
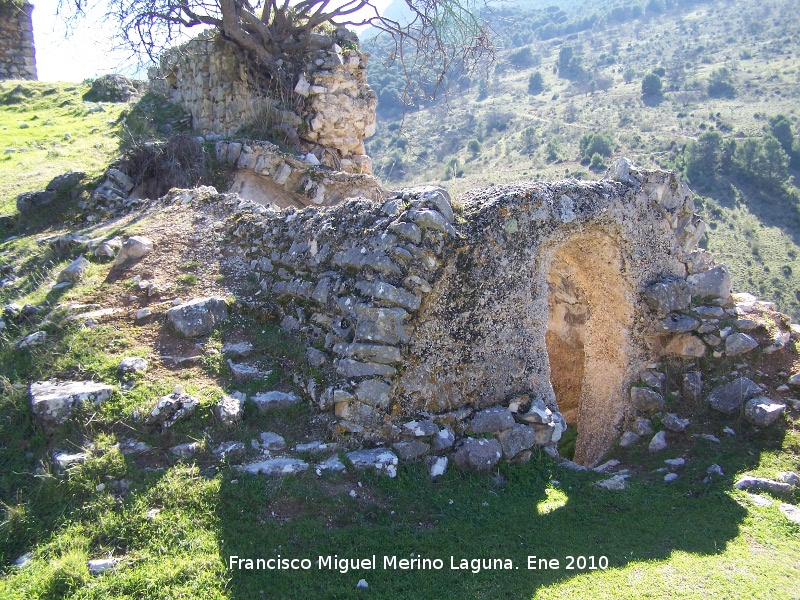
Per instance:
x=464, y=516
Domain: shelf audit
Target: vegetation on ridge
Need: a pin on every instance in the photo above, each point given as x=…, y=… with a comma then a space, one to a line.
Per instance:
x=726, y=118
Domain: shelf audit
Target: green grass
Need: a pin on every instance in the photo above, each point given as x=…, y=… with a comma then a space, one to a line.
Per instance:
x=51, y=131
x=685, y=540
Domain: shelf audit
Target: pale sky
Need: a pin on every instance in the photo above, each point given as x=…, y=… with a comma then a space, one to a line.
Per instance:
x=87, y=51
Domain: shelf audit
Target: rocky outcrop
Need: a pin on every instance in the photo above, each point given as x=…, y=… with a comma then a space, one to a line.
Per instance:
x=266, y=175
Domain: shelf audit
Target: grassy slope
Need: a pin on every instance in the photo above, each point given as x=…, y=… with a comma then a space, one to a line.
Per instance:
x=697, y=42
x=51, y=111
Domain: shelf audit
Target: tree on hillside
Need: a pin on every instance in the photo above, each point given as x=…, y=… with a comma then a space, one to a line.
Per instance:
x=439, y=34
x=781, y=128
x=651, y=85
x=720, y=83
x=535, y=84
x=595, y=143
x=702, y=158
x=569, y=64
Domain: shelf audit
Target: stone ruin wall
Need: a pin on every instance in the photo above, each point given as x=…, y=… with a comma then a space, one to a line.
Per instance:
x=537, y=305
x=207, y=78
x=266, y=175
x=17, y=53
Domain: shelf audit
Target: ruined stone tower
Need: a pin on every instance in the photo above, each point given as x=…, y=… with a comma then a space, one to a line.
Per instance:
x=17, y=54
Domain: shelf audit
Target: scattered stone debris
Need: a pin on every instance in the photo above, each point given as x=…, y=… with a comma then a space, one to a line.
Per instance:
x=198, y=317
x=658, y=443
x=792, y=512
x=763, y=411
x=617, y=482
x=730, y=397
x=132, y=364
x=270, y=400
x=99, y=566
x=275, y=467
x=54, y=401
x=134, y=247
x=230, y=409
x=187, y=450
x=171, y=408
x=761, y=484
x=272, y=441
x=33, y=340
x=478, y=454
x=674, y=423
x=229, y=450
x=380, y=459
x=75, y=271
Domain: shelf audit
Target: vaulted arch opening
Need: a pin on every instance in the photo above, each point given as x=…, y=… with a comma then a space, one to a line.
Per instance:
x=590, y=315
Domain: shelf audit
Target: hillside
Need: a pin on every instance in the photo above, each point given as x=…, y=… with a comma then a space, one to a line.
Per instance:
x=590, y=86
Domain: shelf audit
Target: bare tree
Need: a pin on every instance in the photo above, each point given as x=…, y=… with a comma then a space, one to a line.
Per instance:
x=438, y=36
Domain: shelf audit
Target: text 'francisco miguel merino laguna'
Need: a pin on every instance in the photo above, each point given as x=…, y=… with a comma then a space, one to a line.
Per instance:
x=414, y=563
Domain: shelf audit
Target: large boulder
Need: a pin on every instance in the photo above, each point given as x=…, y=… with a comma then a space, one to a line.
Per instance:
x=30, y=201
x=478, y=454
x=134, y=247
x=53, y=401
x=715, y=282
x=729, y=398
x=199, y=316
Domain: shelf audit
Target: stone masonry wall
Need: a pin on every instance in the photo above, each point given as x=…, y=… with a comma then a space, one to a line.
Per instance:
x=206, y=78
x=17, y=54
x=420, y=318
x=481, y=333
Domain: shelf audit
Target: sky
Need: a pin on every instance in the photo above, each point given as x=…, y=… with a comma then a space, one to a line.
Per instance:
x=85, y=51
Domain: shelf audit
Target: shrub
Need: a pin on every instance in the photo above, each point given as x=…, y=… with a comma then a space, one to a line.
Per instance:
x=629, y=74
x=597, y=162
x=535, y=84
x=720, y=84
x=702, y=158
x=651, y=85
x=595, y=143
x=553, y=150
x=474, y=147
x=569, y=65
x=159, y=166
x=523, y=58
